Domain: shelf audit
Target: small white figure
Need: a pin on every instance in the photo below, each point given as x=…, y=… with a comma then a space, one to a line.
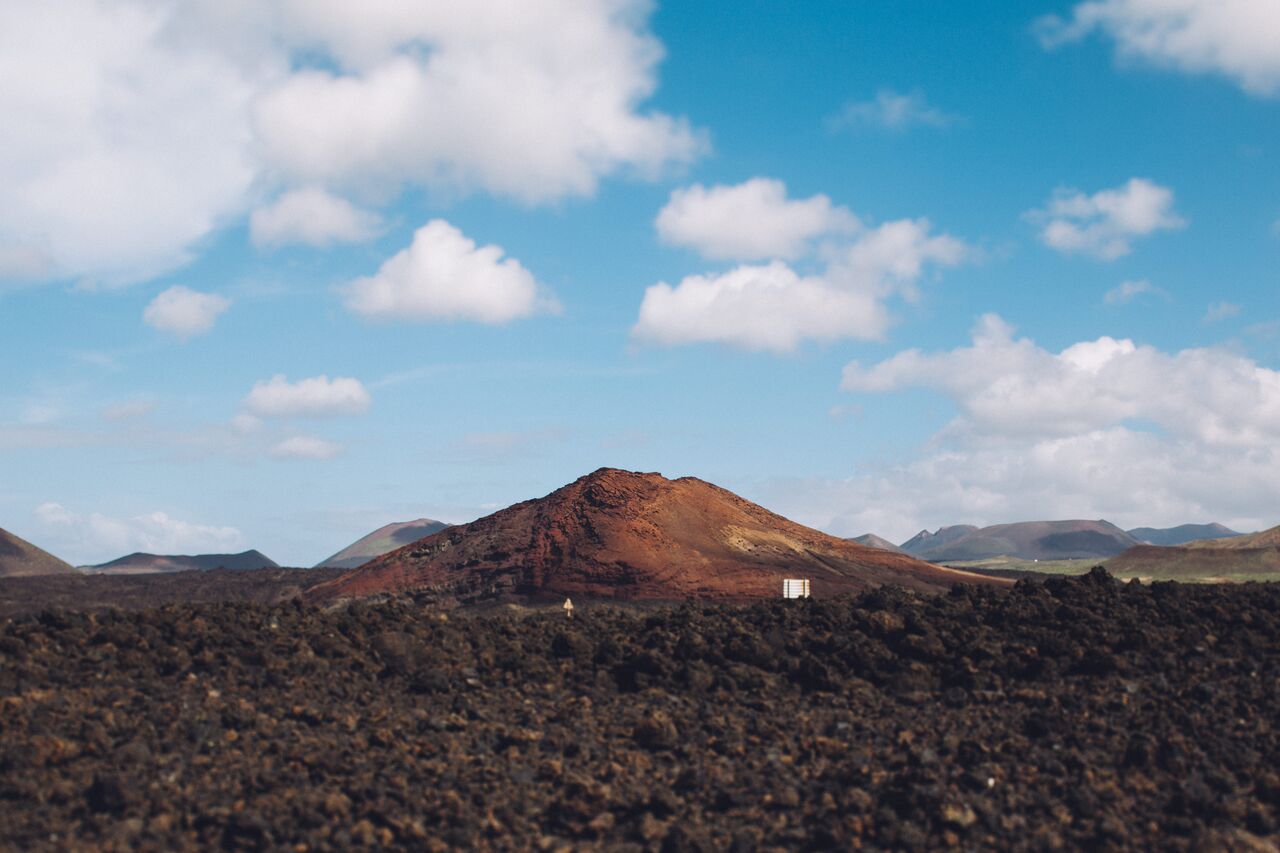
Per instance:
x=568, y=608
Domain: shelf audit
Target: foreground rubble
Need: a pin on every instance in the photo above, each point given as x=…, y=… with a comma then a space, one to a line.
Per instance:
x=1072, y=713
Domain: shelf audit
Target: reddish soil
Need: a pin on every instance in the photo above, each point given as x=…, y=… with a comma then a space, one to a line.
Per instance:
x=627, y=536
x=1073, y=714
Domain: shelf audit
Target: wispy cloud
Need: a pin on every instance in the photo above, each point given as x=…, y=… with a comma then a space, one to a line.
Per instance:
x=184, y=312
x=306, y=447
x=1127, y=291
x=1219, y=311
x=1105, y=224
x=890, y=110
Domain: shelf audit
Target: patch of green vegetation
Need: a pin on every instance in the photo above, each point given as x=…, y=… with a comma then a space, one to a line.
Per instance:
x=1184, y=573
x=1182, y=577
x=1016, y=564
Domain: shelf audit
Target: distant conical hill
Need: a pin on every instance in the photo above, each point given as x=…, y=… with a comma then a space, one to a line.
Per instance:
x=381, y=541
x=622, y=535
x=19, y=558
x=873, y=541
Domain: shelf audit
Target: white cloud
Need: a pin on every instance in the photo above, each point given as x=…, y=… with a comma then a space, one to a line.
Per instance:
x=185, y=312
x=313, y=216
x=750, y=221
x=892, y=111
x=1131, y=478
x=306, y=447
x=1127, y=291
x=757, y=307
x=1105, y=224
x=442, y=275
x=534, y=100
x=318, y=396
x=1235, y=38
x=125, y=141
x=1010, y=387
x=1101, y=429
x=136, y=128
x=773, y=307
x=1220, y=311
x=97, y=538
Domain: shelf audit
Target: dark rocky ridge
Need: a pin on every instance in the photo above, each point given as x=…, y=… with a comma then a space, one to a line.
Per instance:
x=141, y=563
x=1077, y=713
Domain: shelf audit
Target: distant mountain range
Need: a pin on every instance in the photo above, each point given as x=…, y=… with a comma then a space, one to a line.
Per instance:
x=145, y=564
x=1027, y=540
x=1181, y=534
x=1266, y=539
x=19, y=558
x=926, y=541
x=381, y=541
x=1252, y=555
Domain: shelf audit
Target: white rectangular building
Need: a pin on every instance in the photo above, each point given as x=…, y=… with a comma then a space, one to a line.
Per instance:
x=795, y=588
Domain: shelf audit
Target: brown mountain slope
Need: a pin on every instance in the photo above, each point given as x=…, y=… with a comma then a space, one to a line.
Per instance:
x=622, y=535
x=19, y=558
x=1252, y=556
x=1182, y=563
x=1266, y=539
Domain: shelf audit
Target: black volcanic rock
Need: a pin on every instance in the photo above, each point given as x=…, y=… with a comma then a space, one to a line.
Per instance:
x=140, y=563
x=1073, y=714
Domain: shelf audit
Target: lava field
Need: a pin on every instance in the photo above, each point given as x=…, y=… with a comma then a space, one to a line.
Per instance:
x=1072, y=713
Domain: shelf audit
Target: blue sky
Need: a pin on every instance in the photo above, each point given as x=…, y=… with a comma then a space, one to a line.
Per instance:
x=272, y=275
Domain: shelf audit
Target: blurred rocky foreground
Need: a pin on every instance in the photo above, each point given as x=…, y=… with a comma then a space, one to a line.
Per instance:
x=1076, y=713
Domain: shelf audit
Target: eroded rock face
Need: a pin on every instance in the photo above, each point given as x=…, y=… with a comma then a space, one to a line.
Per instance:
x=620, y=534
x=1074, y=714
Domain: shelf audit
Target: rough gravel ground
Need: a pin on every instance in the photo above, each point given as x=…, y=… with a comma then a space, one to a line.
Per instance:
x=1074, y=713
